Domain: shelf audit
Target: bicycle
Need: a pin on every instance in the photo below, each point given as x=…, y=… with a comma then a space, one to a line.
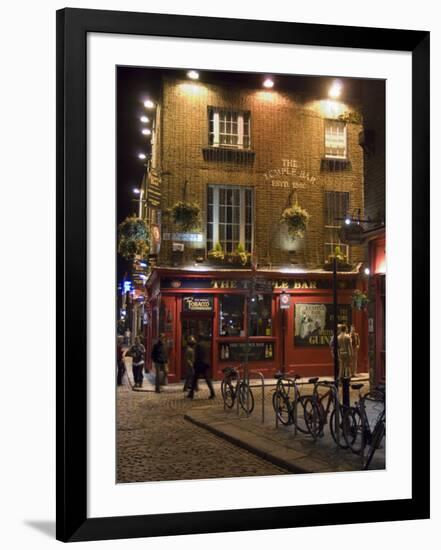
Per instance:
x=357, y=426
x=378, y=434
x=232, y=387
x=286, y=407
x=322, y=409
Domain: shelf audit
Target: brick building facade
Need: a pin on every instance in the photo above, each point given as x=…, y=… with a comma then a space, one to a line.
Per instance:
x=244, y=154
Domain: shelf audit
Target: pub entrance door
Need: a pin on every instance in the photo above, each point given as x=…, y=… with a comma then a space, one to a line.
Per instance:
x=201, y=327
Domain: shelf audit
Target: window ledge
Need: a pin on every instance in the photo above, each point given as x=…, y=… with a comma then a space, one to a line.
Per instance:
x=335, y=165
x=229, y=154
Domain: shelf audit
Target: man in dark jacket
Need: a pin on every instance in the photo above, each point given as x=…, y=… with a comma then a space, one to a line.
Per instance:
x=201, y=366
x=137, y=353
x=160, y=359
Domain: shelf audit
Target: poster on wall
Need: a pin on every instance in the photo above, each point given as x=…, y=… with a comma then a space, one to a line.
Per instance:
x=313, y=323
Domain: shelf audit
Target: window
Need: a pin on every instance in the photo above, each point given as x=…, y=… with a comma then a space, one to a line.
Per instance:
x=336, y=210
x=260, y=315
x=231, y=315
x=230, y=217
x=229, y=128
x=335, y=139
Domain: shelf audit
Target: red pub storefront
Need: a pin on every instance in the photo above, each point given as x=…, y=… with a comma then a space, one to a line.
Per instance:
x=276, y=320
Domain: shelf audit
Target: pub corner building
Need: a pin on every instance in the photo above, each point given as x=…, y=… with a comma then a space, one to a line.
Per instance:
x=232, y=167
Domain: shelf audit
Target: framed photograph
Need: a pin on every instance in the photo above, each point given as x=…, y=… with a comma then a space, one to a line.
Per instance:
x=242, y=240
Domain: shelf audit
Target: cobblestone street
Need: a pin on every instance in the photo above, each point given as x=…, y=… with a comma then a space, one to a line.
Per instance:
x=155, y=442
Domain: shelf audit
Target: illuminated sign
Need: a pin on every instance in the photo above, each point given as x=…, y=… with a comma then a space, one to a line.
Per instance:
x=197, y=303
x=289, y=176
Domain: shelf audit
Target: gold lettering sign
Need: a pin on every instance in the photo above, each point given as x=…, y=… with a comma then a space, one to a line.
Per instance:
x=197, y=303
x=281, y=285
x=224, y=284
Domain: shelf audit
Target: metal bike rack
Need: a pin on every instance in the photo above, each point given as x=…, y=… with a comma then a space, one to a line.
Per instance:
x=237, y=392
x=262, y=386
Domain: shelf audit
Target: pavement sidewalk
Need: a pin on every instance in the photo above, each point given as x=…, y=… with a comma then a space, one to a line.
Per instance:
x=295, y=453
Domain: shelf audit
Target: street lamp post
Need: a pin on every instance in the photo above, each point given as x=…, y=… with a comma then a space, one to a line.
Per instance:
x=345, y=381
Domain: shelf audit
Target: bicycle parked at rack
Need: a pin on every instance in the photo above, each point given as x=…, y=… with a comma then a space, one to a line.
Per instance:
x=288, y=404
x=232, y=387
x=325, y=408
x=357, y=429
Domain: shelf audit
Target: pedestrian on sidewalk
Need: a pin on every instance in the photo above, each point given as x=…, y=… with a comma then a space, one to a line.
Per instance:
x=331, y=341
x=345, y=353
x=201, y=367
x=137, y=353
x=189, y=363
x=121, y=368
x=127, y=335
x=355, y=340
x=160, y=360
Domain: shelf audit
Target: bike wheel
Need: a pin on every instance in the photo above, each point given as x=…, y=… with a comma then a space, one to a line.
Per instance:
x=227, y=392
x=302, y=425
x=353, y=430
x=282, y=408
x=333, y=429
x=313, y=418
x=377, y=437
x=246, y=398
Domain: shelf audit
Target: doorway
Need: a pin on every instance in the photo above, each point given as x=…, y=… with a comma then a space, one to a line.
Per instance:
x=198, y=326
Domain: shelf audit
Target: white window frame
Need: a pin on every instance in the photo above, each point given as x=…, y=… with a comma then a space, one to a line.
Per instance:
x=240, y=127
x=333, y=229
x=345, y=136
x=242, y=220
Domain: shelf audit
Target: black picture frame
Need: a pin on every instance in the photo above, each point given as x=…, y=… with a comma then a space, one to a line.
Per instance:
x=71, y=429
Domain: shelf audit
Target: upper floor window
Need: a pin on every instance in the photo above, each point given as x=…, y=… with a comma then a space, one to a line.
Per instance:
x=229, y=128
x=230, y=217
x=336, y=210
x=335, y=139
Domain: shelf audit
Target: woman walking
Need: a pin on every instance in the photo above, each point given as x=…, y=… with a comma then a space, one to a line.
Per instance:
x=189, y=362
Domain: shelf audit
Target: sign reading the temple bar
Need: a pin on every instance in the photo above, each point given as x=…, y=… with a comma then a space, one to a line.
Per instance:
x=314, y=323
x=289, y=176
x=259, y=286
x=198, y=303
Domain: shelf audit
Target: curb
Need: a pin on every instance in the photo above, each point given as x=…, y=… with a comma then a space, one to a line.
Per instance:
x=269, y=457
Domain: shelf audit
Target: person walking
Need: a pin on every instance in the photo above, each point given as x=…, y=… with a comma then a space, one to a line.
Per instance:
x=345, y=352
x=137, y=353
x=355, y=340
x=201, y=367
x=121, y=369
x=331, y=341
x=160, y=360
x=189, y=363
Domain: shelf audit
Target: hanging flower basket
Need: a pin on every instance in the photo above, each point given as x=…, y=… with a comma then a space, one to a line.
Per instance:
x=186, y=215
x=359, y=300
x=133, y=238
x=296, y=220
